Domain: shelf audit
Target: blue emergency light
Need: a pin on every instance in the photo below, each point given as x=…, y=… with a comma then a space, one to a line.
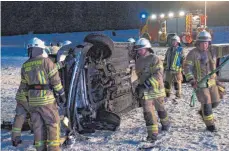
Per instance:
x=143, y=15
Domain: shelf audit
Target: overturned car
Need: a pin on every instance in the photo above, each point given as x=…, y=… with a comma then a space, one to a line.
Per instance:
x=100, y=82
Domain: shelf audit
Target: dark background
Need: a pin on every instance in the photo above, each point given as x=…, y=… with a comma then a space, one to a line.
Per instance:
x=59, y=16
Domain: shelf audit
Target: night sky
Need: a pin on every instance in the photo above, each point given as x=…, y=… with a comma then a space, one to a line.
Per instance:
x=52, y=17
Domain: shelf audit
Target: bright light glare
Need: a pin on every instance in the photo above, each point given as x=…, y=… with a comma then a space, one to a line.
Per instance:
x=181, y=13
x=154, y=16
x=143, y=16
x=162, y=15
x=160, y=32
x=171, y=15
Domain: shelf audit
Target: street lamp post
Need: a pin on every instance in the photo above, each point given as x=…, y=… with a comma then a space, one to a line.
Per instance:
x=205, y=13
x=177, y=25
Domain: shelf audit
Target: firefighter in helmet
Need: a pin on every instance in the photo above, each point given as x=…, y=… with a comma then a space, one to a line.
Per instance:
x=174, y=58
x=53, y=49
x=149, y=69
x=39, y=80
x=199, y=62
x=132, y=52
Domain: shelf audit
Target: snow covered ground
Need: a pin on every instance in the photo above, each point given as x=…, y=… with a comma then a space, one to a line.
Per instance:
x=187, y=132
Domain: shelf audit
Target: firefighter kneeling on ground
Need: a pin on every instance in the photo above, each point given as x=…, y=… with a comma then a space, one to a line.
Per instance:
x=199, y=62
x=149, y=69
x=174, y=58
x=39, y=76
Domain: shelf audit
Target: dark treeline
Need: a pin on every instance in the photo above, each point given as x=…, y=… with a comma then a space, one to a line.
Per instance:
x=59, y=16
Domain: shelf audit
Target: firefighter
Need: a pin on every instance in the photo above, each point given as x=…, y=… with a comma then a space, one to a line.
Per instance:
x=174, y=58
x=54, y=48
x=132, y=52
x=199, y=62
x=22, y=113
x=39, y=77
x=149, y=69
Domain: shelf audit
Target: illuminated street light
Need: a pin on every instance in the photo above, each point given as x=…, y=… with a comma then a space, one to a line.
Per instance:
x=181, y=13
x=154, y=16
x=171, y=15
x=162, y=15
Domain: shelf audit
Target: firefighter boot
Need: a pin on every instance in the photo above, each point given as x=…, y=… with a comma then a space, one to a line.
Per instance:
x=69, y=141
x=178, y=95
x=166, y=127
x=152, y=138
x=168, y=94
x=212, y=128
x=16, y=141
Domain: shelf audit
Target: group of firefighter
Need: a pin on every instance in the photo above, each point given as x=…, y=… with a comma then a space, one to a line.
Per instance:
x=41, y=85
x=156, y=78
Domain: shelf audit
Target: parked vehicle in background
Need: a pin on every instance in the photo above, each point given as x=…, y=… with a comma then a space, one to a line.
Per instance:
x=186, y=25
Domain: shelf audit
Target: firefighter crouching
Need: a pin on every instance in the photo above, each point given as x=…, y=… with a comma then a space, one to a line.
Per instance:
x=199, y=62
x=174, y=58
x=39, y=76
x=149, y=69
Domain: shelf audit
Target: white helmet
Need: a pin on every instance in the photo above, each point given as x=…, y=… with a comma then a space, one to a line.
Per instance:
x=177, y=38
x=67, y=42
x=142, y=43
x=35, y=42
x=132, y=40
x=204, y=36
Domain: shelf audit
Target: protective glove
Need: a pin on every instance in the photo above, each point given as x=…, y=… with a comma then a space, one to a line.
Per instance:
x=63, y=100
x=193, y=83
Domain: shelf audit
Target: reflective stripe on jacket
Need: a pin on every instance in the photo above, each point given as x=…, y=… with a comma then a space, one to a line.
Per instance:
x=41, y=71
x=173, y=59
x=199, y=63
x=151, y=68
